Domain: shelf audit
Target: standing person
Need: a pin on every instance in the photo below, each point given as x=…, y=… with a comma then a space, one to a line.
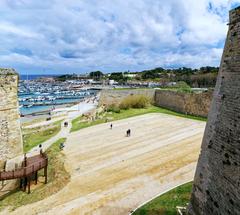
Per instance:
x=61, y=146
x=111, y=126
x=40, y=149
x=129, y=132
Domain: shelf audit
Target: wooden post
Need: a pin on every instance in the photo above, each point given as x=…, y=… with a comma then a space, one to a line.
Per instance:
x=24, y=184
x=45, y=170
x=25, y=178
x=29, y=180
x=36, y=177
x=45, y=174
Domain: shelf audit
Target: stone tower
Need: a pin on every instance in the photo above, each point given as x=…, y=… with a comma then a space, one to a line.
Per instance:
x=10, y=133
x=216, y=188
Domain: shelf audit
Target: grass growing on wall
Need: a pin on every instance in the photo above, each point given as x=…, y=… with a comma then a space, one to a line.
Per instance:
x=166, y=203
x=77, y=123
x=35, y=136
x=58, y=177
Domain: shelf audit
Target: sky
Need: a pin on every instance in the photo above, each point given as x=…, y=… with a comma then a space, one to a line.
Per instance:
x=69, y=36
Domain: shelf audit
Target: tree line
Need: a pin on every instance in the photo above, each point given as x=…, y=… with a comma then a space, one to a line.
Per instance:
x=202, y=77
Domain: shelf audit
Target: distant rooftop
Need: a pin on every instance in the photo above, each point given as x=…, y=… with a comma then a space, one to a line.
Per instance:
x=6, y=71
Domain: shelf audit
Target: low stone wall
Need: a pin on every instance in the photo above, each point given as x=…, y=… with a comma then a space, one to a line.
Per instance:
x=109, y=97
x=197, y=104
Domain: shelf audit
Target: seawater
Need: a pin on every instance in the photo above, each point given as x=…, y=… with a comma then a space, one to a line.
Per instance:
x=47, y=107
x=41, y=108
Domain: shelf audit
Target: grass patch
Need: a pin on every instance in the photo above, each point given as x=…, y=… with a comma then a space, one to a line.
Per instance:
x=58, y=177
x=166, y=203
x=77, y=123
x=35, y=136
x=33, y=122
x=40, y=119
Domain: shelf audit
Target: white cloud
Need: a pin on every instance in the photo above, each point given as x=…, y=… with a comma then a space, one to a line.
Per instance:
x=8, y=28
x=111, y=35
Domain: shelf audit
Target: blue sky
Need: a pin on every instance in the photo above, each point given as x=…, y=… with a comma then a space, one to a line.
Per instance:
x=66, y=36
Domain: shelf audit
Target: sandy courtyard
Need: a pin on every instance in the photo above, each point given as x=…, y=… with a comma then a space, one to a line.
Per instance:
x=112, y=174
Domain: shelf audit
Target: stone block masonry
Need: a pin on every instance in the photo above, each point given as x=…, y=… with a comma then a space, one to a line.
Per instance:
x=109, y=97
x=10, y=132
x=216, y=188
x=196, y=104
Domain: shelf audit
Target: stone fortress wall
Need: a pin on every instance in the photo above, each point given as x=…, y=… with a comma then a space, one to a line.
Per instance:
x=109, y=97
x=196, y=104
x=10, y=132
x=216, y=188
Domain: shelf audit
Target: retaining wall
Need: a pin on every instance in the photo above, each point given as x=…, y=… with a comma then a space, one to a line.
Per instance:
x=109, y=97
x=197, y=104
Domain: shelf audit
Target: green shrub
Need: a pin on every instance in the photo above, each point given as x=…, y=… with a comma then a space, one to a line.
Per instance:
x=183, y=87
x=113, y=108
x=134, y=101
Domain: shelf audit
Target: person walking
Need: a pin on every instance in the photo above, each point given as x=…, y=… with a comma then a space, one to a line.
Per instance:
x=111, y=126
x=128, y=133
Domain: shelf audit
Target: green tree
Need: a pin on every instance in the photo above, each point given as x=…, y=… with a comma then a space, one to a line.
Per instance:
x=96, y=75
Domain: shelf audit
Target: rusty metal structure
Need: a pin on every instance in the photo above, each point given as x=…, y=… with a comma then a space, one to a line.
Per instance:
x=28, y=171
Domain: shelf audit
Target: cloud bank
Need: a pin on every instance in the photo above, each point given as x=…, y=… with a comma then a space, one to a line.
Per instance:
x=58, y=36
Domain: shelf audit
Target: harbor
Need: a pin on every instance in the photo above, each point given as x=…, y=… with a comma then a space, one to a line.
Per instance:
x=43, y=95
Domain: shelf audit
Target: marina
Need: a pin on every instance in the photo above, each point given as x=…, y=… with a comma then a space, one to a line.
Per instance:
x=44, y=95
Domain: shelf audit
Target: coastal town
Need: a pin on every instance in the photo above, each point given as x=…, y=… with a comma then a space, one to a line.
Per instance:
x=46, y=93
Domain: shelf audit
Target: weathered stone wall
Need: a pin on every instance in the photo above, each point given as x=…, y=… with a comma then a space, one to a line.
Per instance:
x=109, y=97
x=197, y=104
x=216, y=187
x=10, y=133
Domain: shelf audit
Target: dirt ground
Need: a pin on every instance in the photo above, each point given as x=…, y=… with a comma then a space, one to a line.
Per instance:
x=112, y=174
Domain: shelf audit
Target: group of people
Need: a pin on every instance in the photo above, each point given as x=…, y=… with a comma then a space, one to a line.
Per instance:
x=128, y=132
